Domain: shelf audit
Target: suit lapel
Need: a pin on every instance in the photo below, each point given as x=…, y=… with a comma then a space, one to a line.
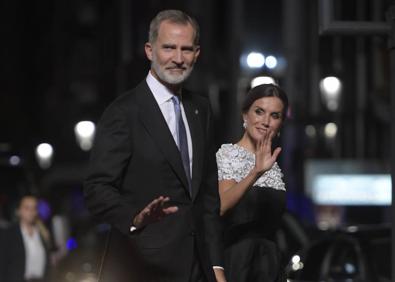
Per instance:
x=154, y=122
x=193, y=116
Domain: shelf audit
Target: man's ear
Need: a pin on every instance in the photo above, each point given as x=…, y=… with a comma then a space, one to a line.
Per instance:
x=148, y=50
x=197, y=52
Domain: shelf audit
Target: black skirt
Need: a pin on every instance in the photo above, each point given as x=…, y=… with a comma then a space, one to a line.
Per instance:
x=251, y=253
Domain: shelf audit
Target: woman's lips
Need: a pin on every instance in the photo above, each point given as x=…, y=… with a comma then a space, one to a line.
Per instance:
x=261, y=130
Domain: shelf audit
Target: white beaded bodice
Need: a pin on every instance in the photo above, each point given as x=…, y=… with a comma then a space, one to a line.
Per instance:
x=235, y=162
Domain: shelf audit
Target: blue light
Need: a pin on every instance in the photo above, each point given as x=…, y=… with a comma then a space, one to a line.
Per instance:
x=71, y=244
x=44, y=210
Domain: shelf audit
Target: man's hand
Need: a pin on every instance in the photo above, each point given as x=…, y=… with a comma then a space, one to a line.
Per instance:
x=219, y=275
x=154, y=211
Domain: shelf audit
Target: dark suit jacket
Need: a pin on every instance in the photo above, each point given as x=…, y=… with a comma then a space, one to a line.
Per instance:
x=135, y=160
x=12, y=255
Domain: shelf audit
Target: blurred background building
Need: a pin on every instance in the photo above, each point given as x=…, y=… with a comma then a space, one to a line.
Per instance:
x=63, y=62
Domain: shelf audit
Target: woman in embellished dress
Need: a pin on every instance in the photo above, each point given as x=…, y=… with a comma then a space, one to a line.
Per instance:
x=252, y=190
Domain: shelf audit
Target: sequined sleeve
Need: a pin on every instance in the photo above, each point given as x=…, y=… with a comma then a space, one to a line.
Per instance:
x=225, y=170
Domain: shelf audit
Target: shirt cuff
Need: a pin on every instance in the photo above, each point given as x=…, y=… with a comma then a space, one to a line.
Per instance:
x=218, y=267
x=133, y=228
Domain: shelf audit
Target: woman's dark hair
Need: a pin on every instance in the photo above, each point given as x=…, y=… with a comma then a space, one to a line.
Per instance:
x=265, y=90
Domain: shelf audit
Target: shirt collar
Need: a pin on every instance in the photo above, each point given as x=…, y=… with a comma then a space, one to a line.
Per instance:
x=26, y=233
x=160, y=92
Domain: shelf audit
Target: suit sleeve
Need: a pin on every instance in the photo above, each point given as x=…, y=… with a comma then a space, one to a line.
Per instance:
x=211, y=201
x=109, y=159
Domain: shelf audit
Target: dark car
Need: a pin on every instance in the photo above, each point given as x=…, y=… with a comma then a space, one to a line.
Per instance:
x=356, y=253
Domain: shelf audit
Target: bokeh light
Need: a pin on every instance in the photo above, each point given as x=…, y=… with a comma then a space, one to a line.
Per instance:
x=330, y=130
x=44, y=155
x=255, y=60
x=271, y=62
x=331, y=87
x=84, y=133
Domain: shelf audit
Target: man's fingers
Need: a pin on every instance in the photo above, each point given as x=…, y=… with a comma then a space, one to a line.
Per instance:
x=158, y=206
x=156, y=202
x=155, y=211
x=162, y=201
x=165, y=209
x=153, y=203
x=166, y=199
x=151, y=207
x=170, y=210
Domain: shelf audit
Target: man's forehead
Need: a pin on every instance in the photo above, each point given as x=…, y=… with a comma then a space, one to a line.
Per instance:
x=169, y=27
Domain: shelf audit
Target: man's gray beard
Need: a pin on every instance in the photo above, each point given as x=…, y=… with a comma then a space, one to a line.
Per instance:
x=170, y=79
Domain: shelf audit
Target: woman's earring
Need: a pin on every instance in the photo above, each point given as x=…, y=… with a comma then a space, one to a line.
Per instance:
x=278, y=134
x=245, y=124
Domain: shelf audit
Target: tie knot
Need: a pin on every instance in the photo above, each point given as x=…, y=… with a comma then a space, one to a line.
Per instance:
x=175, y=100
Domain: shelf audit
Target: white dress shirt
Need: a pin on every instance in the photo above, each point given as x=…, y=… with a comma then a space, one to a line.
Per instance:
x=163, y=97
x=35, y=258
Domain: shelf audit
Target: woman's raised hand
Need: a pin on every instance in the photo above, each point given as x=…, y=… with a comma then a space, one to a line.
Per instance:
x=264, y=157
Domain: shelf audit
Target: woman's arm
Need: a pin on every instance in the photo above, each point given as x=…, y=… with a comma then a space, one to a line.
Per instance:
x=231, y=192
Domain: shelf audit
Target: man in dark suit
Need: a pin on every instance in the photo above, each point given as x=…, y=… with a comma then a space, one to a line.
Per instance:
x=24, y=248
x=153, y=174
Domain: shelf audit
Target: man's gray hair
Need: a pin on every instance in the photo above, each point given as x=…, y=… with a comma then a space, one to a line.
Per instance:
x=173, y=16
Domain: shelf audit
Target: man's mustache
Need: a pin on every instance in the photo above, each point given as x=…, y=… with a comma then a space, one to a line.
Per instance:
x=176, y=68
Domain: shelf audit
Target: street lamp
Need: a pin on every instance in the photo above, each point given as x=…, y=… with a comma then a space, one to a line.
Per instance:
x=84, y=133
x=44, y=155
x=331, y=88
x=255, y=60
